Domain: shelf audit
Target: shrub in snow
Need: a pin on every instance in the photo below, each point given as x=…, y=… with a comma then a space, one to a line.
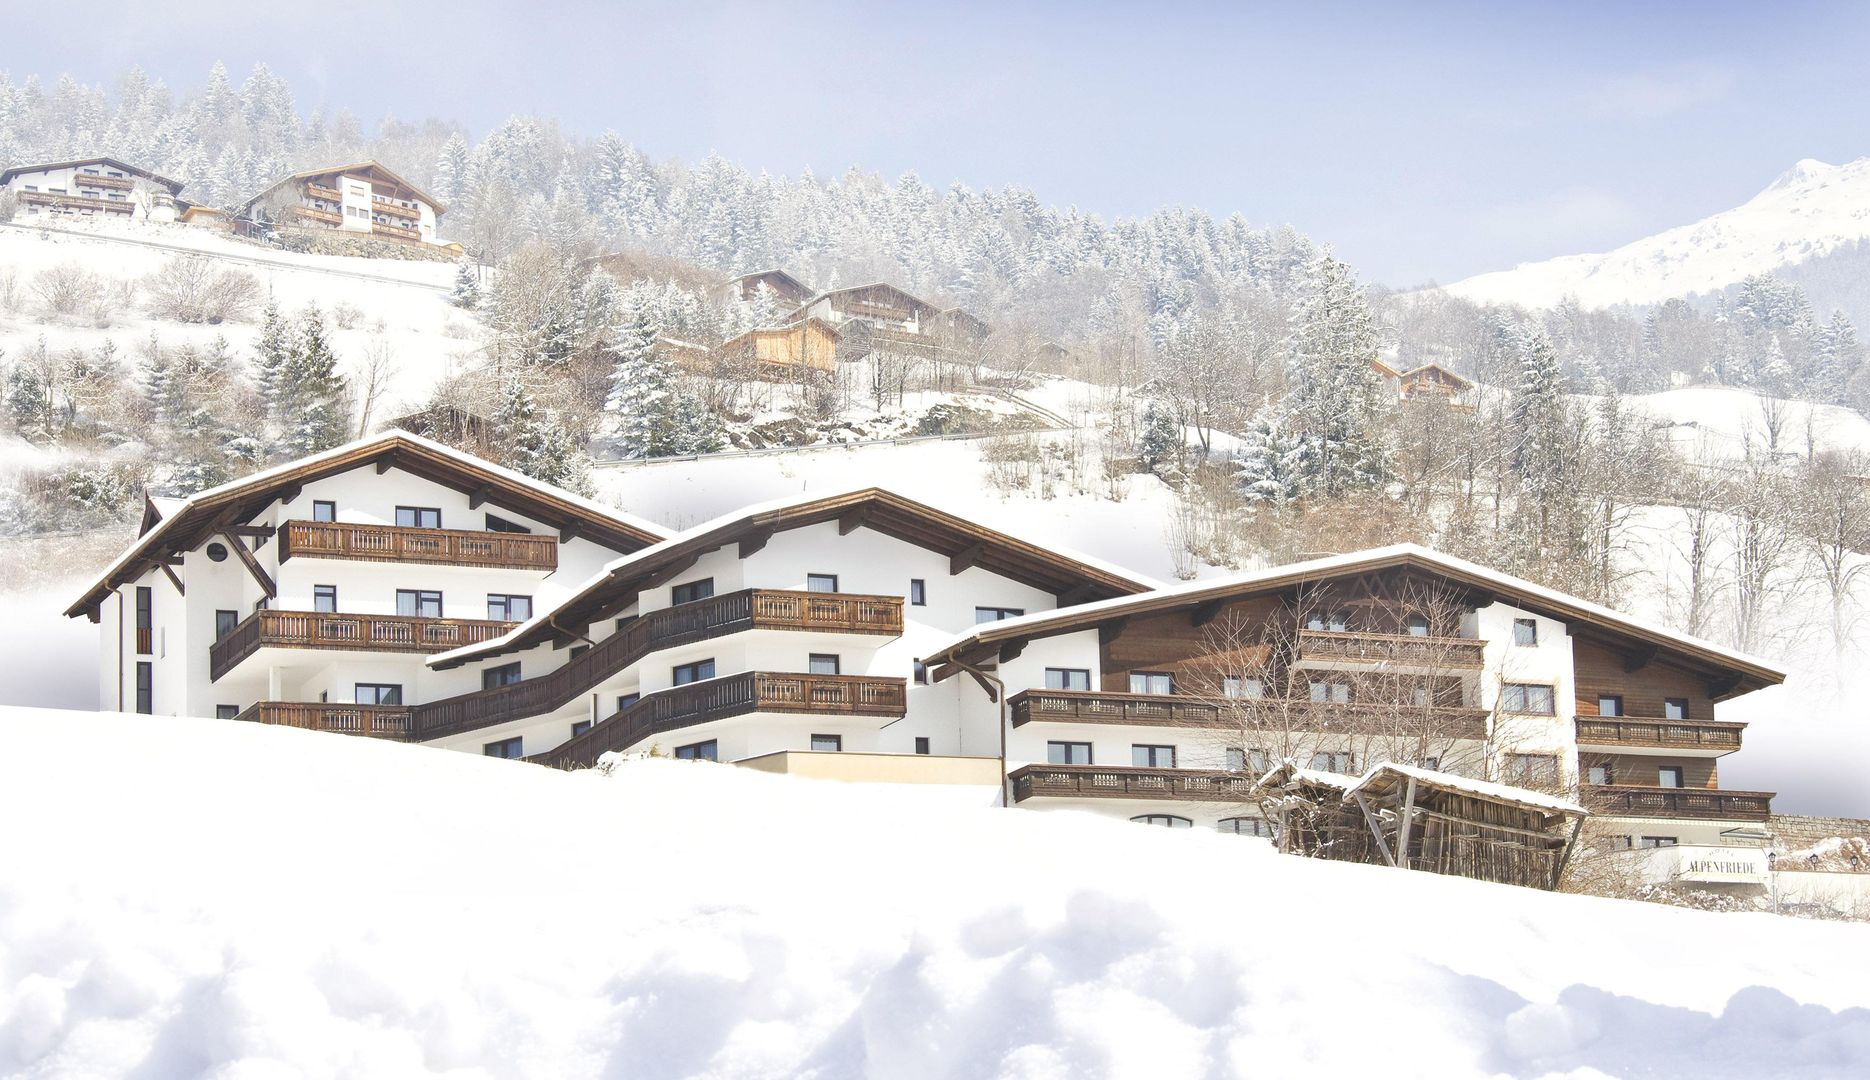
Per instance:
x=68, y=289
x=193, y=289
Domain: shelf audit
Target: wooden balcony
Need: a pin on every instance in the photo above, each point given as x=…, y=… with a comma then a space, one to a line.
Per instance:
x=717, y=616
x=313, y=213
x=384, y=206
x=338, y=630
x=394, y=232
x=319, y=191
x=1398, y=650
x=1176, y=710
x=1643, y=733
x=1625, y=800
x=402, y=544
x=113, y=183
x=834, y=696
x=370, y=721
x=76, y=202
x=1124, y=782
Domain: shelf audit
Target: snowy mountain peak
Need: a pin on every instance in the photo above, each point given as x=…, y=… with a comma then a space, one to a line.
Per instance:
x=1810, y=210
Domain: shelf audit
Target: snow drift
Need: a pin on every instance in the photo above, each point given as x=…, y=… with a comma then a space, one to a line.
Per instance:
x=200, y=898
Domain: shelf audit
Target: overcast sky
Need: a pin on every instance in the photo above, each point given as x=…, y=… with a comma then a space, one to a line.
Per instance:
x=1423, y=141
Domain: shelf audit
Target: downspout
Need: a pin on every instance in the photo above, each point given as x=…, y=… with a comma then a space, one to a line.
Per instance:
x=120, y=650
x=999, y=693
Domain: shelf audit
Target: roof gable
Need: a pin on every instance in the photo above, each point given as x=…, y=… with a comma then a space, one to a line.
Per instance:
x=174, y=186
x=374, y=170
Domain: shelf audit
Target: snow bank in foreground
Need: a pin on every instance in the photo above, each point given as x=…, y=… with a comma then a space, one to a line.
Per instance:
x=184, y=898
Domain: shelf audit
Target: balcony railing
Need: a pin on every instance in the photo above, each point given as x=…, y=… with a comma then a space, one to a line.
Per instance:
x=319, y=191
x=402, y=544
x=77, y=202
x=1645, y=732
x=1175, y=710
x=115, y=183
x=1632, y=801
x=313, y=213
x=717, y=616
x=1402, y=649
x=394, y=232
x=371, y=721
x=384, y=206
x=729, y=696
x=333, y=630
x=1122, y=782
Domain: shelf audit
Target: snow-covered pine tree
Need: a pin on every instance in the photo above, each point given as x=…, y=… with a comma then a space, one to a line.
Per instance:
x=313, y=413
x=1336, y=399
x=1159, y=440
x=642, y=390
x=522, y=436
x=466, y=292
x=1272, y=462
x=272, y=353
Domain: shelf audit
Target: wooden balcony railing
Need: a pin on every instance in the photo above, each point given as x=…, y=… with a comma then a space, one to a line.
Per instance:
x=394, y=232
x=717, y=616
x=114, y=183
x=371, y=721
x=337, y=630
x=1635, y=801
x=732, y=695
x=384, y=206
x=313, y=213
x=1123, y=782
x=1176, y=710
x=1402, y=649
x=1641, y=732
x=77, y=202
x=397, y=543
x=319, y=191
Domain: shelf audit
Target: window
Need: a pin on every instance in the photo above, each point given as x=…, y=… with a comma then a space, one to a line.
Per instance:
x=1609, y=705
x=226, y=712
x=918, y=592
x=419, y=517
x=1532, y=770
x=701, y=751
x=624, y=701
x=695, y=672
x=505, y=748
x=1246, y=826
x=819, y=663
x=1332, y=761
x=995, y=614
x=1068, y=753
x=1598, y=774
x=365, y=693
x=1323, y=690
x=1620, y=843
x=500, y=524
x=422, y=602
x=1669, y=776
x=1421, y=695
x=1239, y=760
x=1152, y=682
x=1064, y=678
x=690, y=591
x=217, y=552
x=579, y=727
x=1416, y=625
x=1242, y=686
x=921, y=673
x=922, y=744
x=145, y=619
x=821, y=583
x=1526, y=698
x=325, y=598
x=504, y=607
x=1675, y=708
x=224, y=623
x=828, y=742
x=1525, y=631
x=1659, y=841
x=324, y=510
x=1165, y=820
x=1339, y=621
x=1152, y=757
x=504, y=675
x=145, y=687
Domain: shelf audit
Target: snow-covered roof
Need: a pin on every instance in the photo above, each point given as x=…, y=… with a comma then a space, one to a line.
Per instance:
x=1514, y=590
x=174, y=186
x=1485, y=789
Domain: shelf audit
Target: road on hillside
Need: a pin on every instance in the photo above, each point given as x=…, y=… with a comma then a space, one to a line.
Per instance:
x=249, y=260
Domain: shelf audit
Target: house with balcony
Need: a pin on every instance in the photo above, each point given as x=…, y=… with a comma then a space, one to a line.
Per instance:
x=881, y=318
x=311, y=593
x=360, y=199
x=100, y=188
x=1167, y=706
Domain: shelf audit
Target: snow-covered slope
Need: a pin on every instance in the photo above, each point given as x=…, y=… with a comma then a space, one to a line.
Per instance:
x=197, y=898
x=1809, y=211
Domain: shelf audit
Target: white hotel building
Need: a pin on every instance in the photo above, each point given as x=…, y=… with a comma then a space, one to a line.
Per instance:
x=399, y=589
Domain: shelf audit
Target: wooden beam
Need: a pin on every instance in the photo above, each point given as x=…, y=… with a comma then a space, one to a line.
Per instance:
x=385, y=463
x=1376, y=830
x=570, y=531
x=1722, y=686
x=290, y=492
x=1558, y=872
x=754, y=542
x=258, y=532
x=966, y=557
x=938, y=672
x=1403, y=821
x=852, y=520
x=1205, y=613
x=479, y=496
x=175, y=581
x=1639, y=659
x=1011, y=650
x=252, y=564
x=1076, y=595
x=94, y=613
x=992, y=694
x=667, y=573
x=1108, y=630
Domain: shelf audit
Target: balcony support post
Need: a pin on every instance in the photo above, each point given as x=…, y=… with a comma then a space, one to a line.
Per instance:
x=252, y=564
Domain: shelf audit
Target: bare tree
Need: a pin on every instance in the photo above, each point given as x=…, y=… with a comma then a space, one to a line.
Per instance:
x=192, y=289
x=1763, y=551
x=1833, y=516
x=379, y=368
x=68, y=289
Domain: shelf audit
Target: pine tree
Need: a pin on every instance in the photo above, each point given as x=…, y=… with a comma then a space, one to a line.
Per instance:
x=522, y=436
x=1159, y=443
x=1272, y=463
x=272, y=353
x=1336, y=399
x=312, y=409
x=466, y=292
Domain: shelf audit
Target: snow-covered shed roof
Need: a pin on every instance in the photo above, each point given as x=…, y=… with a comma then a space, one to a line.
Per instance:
x=1736, y=672
x=1385, y=776
x=1072, y=577
x=189, y=523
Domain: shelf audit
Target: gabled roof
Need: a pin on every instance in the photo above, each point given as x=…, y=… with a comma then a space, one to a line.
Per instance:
x=1741, y=673
x=1385, y=776
x=357, y=167
x=174, y=186
x=959, y=316
x=1073, y=578
x=792, y=285
x=186, y=525
x=1447, y=375
x=913, y=301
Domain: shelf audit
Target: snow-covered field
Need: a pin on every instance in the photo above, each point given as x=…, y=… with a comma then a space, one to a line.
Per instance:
x=194, y=898
x=1811, y=210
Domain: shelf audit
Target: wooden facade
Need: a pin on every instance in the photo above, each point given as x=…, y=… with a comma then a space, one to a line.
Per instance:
x=785, y=352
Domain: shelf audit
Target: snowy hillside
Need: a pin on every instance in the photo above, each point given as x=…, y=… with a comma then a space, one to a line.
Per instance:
x=197, y=898
x=1810, y=211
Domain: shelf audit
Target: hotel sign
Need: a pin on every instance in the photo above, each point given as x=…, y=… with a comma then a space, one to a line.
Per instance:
x=1713, y=864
